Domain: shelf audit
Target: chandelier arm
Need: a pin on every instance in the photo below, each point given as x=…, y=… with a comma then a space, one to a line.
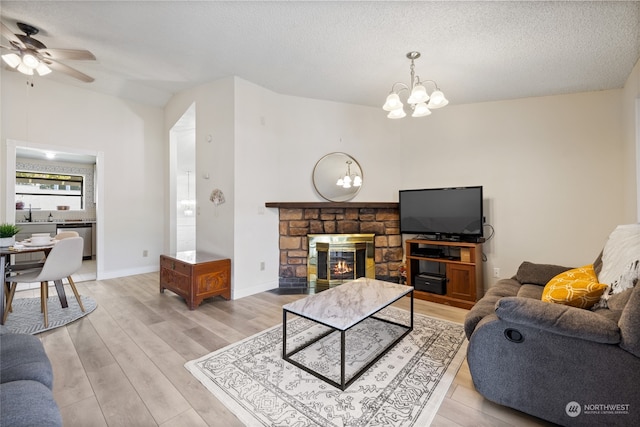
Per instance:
x=403, y=87
x=434, y=83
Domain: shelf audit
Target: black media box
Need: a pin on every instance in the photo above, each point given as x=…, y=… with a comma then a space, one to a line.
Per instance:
x=433, y=283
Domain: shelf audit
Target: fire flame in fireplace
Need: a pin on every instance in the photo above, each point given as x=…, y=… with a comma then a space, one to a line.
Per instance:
x=342, y=267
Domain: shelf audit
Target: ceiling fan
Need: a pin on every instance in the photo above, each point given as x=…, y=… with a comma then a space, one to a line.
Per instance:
x=28, y=54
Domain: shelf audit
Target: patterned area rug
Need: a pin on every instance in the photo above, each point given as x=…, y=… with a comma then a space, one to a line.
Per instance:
x=26, y=317
x=403, y=388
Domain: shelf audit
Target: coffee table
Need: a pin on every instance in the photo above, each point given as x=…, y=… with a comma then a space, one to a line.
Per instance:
x=340, y=310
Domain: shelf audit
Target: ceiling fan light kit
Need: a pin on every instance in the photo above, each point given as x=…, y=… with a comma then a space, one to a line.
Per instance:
x=419, y=100
x=28, y=54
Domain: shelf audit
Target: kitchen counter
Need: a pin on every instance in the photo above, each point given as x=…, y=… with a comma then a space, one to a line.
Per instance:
x=68, y=221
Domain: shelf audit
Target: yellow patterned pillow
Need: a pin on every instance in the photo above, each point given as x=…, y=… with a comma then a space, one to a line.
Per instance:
x=578, y=287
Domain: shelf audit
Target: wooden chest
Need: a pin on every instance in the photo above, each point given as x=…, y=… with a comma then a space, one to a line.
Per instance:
x=195, y=276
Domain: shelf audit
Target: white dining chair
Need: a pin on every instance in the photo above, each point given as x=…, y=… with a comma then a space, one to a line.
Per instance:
x=66, y=234
x=64, y=259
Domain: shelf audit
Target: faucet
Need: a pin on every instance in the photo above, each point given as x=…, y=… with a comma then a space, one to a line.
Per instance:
x=29, y=218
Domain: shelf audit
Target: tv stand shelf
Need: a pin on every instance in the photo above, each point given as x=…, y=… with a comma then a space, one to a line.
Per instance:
x=462, y=265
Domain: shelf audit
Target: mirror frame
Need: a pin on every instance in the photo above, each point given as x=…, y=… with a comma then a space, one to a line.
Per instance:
x=326, y=172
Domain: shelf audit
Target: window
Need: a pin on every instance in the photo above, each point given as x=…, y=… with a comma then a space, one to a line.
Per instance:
x=47, y=191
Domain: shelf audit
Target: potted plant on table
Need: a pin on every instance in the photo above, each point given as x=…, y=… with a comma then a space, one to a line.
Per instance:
x=8, y=234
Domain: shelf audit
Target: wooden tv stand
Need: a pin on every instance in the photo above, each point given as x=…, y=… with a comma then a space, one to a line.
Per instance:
x=459, y=262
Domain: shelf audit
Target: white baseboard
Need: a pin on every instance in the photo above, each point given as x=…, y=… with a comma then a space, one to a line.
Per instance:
x=245, y=292
x=114, y=274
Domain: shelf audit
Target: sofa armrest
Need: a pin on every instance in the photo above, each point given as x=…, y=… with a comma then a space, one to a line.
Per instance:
x=558, y=319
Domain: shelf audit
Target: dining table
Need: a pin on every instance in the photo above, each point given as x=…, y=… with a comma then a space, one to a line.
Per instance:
x=5, y=266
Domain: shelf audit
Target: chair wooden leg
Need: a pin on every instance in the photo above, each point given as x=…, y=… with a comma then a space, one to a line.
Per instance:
x=7, y=290
x=44, y=292
x=42, y=297
x=10, y=294
x=75, y=292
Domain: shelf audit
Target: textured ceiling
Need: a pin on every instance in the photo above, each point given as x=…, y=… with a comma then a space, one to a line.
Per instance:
x=341, y=51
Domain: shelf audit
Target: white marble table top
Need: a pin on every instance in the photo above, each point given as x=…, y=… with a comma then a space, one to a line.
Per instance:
x=345, y=305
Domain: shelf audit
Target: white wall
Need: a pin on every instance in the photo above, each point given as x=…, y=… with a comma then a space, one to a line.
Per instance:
x=631, y=165
x=258, y=126
x=550, y=168
x=214, y=158
x=129, y=134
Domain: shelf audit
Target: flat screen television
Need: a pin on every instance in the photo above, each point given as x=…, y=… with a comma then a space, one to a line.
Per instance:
x=443, y=213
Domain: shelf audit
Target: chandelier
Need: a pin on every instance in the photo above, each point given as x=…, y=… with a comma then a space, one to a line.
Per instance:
x=420, y=101
x=349, y=180
x=188, y=203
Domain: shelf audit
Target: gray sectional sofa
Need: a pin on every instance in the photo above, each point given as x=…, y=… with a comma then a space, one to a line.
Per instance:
x=567, y=365
x=26, y=382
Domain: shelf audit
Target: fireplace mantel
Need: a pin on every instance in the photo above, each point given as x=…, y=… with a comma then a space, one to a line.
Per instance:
x=332, y=205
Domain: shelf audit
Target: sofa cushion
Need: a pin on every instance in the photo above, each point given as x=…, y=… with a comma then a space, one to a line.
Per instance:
x=486, y=305
x=538, y=274
x=530, y=291
x=630, y=324
x=28, y=404
x=577, y=287
x=22, y=357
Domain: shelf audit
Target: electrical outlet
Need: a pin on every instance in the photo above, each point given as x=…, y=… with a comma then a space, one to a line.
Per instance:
x=496, y=272
x=261, y=265
x=145, y=253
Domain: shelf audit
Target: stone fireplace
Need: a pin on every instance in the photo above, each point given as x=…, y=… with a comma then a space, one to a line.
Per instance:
x=337, y=258
x=298, y=220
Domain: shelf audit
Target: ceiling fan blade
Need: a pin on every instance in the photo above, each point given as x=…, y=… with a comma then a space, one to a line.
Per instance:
x=57, y=66
x=8, y=34
x=8, y=48
x=75, y=54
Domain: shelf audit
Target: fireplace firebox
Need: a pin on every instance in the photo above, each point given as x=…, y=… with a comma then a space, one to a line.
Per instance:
x=338, y=258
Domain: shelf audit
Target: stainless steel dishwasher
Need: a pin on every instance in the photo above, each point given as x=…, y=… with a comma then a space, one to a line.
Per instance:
x=84, y=230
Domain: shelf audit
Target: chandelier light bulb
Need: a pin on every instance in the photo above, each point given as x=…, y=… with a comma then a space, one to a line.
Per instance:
x=397, y=114
x=340, y=182
x=30, y=60
x=25, y=70
x=11, y=59
x=421, y=110
x=437, y=100
x=418, y=95
x=43, y=70
x=392, y=103
x=357, y=181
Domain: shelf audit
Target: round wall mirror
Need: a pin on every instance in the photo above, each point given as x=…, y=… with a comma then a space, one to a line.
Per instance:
x=337, y=177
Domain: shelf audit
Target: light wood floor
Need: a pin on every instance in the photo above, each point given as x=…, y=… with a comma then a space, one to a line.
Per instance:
x=123, y=364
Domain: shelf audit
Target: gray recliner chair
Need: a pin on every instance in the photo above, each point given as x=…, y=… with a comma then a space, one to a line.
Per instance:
x=26, y=382
x=567, y=365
